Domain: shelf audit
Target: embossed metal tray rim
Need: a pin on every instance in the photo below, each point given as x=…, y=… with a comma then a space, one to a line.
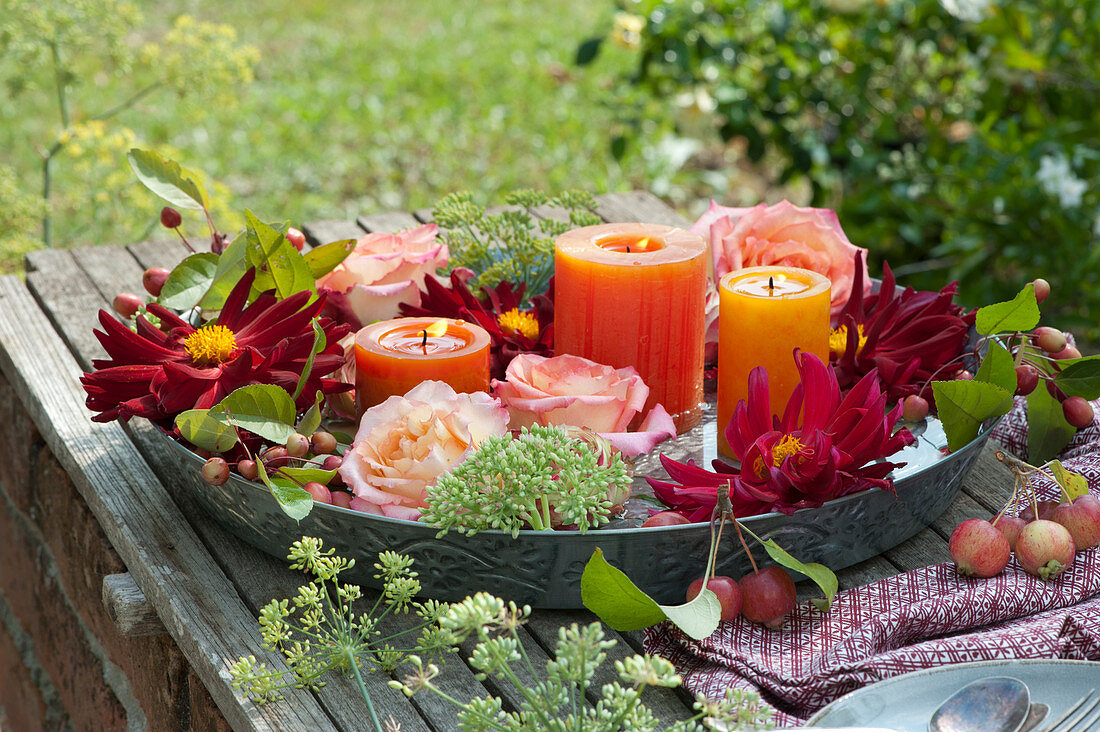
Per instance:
x=542, y=568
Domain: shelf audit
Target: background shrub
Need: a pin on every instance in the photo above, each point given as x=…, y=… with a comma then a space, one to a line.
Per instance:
x=957, y=138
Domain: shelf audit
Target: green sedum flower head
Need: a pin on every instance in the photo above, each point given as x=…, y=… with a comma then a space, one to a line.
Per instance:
x=540, y=479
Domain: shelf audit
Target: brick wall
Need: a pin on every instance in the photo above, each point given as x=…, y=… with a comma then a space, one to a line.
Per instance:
x=63, y=663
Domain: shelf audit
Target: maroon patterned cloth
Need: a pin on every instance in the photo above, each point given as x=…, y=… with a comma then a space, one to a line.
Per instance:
x=916, y=620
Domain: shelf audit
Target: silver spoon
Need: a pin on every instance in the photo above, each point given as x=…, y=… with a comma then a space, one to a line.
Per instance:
x=995, y=704
x=1035, y=716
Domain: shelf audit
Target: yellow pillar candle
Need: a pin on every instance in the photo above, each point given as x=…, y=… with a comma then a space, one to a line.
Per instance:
x=765, y=313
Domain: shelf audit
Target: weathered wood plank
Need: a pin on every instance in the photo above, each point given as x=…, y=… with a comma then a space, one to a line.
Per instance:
x=160, y=253
x=925, y=548
x=197, y=603
x=69, y=300
x=867, y=571
x=127, y=606
x=990, y=481
x=392, y=221
x=640, y=206
x=257, y=577
x=323, y=232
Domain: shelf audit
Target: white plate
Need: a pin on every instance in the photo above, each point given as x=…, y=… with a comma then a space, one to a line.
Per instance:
x=906, y=702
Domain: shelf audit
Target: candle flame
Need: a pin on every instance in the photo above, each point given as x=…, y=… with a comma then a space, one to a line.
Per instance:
x=643, y=244
x=437, y=329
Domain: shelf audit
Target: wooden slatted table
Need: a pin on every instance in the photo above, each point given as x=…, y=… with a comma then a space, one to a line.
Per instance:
x=188, y=579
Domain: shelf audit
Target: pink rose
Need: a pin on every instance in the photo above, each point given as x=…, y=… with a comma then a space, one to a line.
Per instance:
x=570, y=390
x=710, y=340
x=783, y=234
x=385, y=270
x=405, y=443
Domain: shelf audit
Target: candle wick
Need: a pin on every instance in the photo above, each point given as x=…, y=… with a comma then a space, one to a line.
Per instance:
x=771, y=283
x=424, y=341
x=628, y=249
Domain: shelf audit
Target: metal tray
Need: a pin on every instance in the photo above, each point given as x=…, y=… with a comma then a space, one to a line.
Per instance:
x=543, y=568
x=1054, y=682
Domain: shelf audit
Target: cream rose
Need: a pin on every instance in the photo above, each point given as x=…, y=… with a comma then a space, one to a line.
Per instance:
x=783, y=234
x=385, y=270
x=570, y=390
x=405, y=443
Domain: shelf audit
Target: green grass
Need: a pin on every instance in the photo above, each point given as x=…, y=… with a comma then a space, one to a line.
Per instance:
x=359, y=107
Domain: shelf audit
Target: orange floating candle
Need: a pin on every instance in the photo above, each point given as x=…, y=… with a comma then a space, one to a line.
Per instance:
x=633, y=295
x=393, y=356
x=764, y=314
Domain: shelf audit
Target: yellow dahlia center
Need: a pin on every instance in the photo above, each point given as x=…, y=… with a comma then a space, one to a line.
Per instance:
x=789, y=445
x=523, y=323
x=211, y=345
x=838, y=340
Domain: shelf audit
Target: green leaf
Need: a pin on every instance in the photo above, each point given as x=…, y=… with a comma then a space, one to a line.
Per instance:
x=998, y=368
x=964, y=405
x=294, y=501
x=588, y=50
x=305, y=475
x=1073, y=485
x=1047, y=429
x=1019, y=313
x=617, y=601
x=311, y=420
x=1081, y=377
x=610, y=594
x=319, y=343
x=821, y=575
x=279, y=266
x=232, y=264
x=201, y=430
x=189, y=281
x=699, y=617
x=168, y=179
x=263, y=409
x=325, y=258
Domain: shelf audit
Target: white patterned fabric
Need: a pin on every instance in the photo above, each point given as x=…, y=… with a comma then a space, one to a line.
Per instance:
x=916, y=620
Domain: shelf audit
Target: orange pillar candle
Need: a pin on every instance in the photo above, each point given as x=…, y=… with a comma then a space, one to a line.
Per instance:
x=393, y=356
x=634, y=295
x=764, y=314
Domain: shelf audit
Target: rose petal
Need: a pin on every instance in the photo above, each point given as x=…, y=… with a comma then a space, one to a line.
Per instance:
x=656, y=427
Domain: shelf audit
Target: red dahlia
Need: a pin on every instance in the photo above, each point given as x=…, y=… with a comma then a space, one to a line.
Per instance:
x=907, y=336
x=157, y=373
x=824, y=447
x=512, y=328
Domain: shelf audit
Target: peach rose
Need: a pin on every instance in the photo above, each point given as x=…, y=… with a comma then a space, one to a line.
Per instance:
x=570, y=390
x=783, y=234
x=405, y=443
x=385, y=270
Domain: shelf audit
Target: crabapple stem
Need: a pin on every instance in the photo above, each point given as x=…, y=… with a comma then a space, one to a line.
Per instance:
x=748, y=551
x=184, y=238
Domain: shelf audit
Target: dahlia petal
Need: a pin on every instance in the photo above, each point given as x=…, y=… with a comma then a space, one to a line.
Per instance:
x=232, y=312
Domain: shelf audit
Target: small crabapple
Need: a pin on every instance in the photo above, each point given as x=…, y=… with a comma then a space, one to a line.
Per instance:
x=297, y=445
x=170, y=218
x=915, y=408
x=1077, y=411
x=665, y=518
x=768, y=596
x=215, y=471
x=729, y=594
x=127, y=304
x=322, y=443
x=296, y=238
x=1042, y=289
x=153, y=280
